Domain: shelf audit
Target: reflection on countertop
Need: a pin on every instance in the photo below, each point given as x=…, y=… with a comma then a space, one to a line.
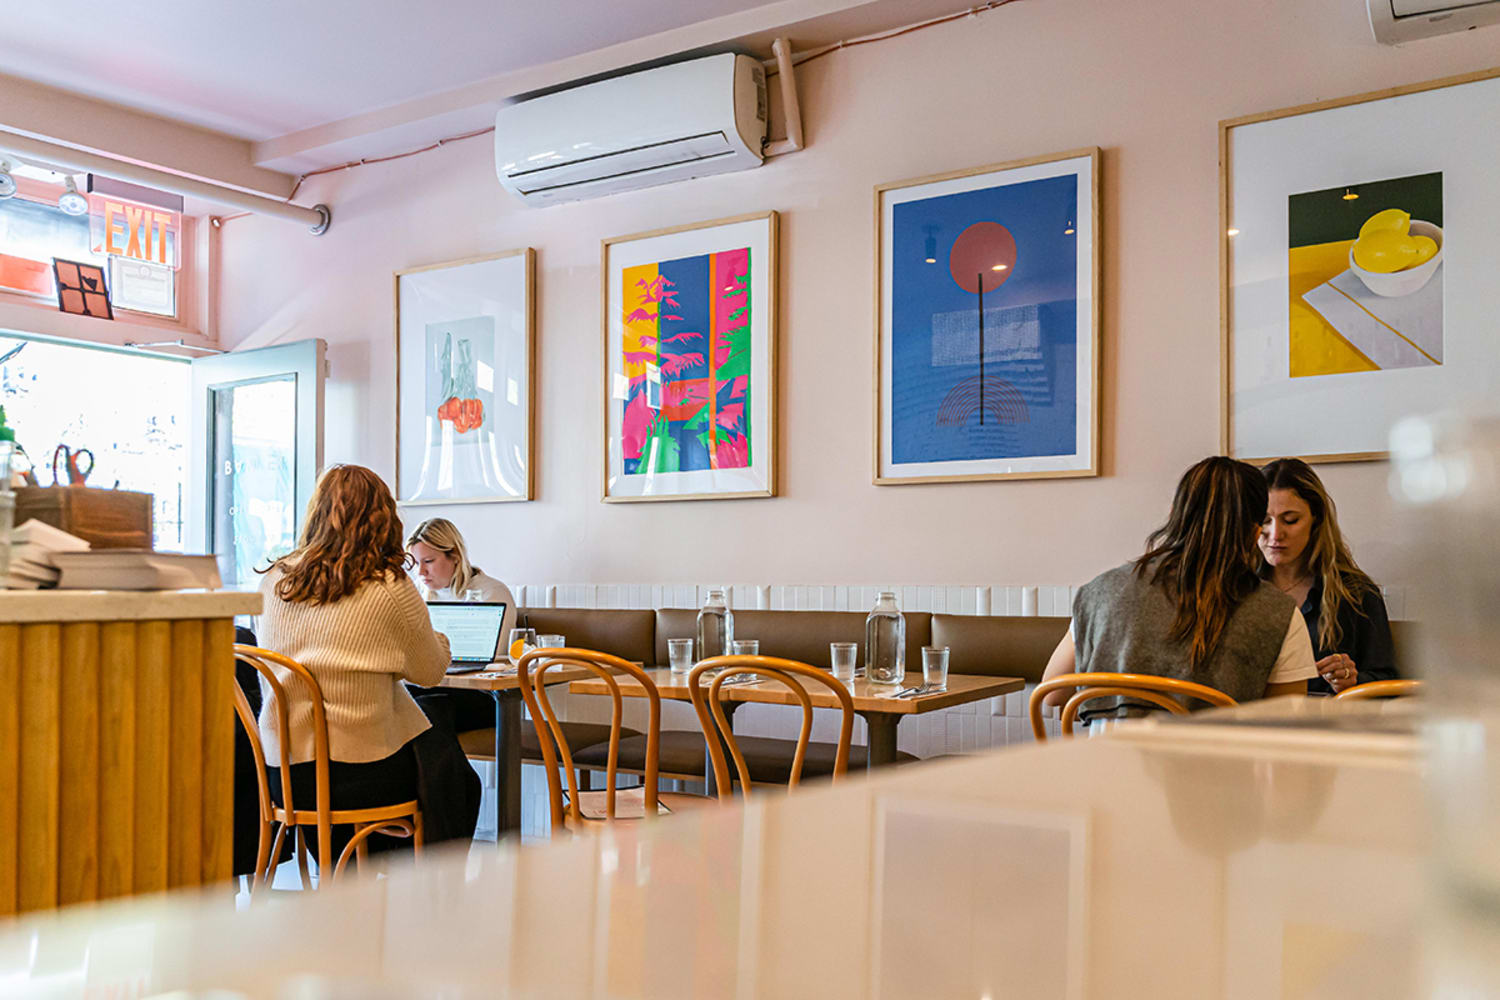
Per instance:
x=1140, y=864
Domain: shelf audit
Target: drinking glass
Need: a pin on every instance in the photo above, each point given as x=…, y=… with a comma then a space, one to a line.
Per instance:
x=843, y=656
x=745, y=647
x=551, y=641
x=935, y=667
x=680, y=655
x=521, y=640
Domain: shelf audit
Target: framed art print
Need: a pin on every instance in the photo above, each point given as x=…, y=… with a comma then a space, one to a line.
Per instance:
x=987, y=323
x=465, y=380
x=690, y=361
x=1356, y=286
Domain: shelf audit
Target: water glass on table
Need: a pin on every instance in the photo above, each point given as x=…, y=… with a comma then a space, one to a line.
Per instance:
x=935, y=668
x=680, y=655
x=551, y=641
x=521, y=641
x=843, y=656
x=745, y=647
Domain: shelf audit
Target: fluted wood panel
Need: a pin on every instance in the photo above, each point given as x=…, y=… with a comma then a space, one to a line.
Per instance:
x=10, y=757
x=116, y=759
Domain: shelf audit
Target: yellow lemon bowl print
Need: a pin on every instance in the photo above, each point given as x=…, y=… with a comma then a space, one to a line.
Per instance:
x=1406, y=264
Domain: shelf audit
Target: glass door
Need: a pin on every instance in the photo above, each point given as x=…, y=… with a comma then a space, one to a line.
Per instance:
x=257, y=450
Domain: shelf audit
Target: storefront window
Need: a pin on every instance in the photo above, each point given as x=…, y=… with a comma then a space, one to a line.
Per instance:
x=129, y=410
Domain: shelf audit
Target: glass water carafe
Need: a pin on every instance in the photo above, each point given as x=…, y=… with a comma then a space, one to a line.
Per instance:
x=885, y=641
x=715, y=626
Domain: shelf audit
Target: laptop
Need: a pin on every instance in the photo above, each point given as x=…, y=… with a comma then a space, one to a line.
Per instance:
x=473, y=631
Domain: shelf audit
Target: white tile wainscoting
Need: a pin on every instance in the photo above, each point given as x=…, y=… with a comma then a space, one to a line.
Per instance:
x=994, y=722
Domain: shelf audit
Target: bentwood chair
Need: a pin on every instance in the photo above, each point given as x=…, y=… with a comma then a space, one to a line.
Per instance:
x=1380, y=689
x=573, y=808
x=707, y=702
x=1163, y=692
x=401, y=819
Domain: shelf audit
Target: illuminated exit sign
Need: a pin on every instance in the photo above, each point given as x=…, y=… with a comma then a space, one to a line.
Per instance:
x=124, y=222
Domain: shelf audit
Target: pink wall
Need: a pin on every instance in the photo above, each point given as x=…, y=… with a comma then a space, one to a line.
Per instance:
x=1146, y=81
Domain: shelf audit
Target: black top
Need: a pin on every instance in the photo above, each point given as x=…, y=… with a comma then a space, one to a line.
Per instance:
x=1364, y=636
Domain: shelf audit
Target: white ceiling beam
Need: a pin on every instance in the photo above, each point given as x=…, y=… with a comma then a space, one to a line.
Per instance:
x=808, y=23
x=95, y=126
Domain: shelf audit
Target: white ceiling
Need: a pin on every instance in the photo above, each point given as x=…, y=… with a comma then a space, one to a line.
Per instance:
x=266, y=68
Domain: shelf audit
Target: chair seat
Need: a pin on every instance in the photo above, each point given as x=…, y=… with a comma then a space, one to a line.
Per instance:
x=480, y=743
x=681, y=752
x=769, y=759
x=630, y=803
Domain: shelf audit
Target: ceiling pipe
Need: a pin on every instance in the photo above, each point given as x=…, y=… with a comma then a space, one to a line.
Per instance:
x=789, y=105
x=316, y=218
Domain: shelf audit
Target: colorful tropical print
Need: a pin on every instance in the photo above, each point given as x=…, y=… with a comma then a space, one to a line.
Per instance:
x=687, y=358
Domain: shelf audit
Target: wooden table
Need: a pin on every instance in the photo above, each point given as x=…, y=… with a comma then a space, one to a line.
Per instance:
x=502, y=685
x=873, y=702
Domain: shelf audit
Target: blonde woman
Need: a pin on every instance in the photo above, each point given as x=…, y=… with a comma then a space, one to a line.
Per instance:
x=442, y=563
x=1305, y=557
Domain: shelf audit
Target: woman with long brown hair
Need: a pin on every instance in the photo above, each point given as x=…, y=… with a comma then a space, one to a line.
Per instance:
x=342, y=605
x=1193, y=606
x=1305, y=557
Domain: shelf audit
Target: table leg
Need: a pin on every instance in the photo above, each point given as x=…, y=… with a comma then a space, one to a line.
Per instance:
x=881, y=739
x=711, y=783
x=507, y=764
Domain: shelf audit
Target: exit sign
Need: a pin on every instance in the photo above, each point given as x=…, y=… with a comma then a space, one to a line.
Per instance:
x=133, y=231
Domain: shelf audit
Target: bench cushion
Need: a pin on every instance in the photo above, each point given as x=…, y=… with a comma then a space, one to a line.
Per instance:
x=997, y=645
x=626, y=634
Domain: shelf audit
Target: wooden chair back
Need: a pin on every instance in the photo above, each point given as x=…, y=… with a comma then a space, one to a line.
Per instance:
x=531, y=674
x=1380, y=689
x=398, y=819
x=707, y=703
x=264, y=808
x=1159, y=691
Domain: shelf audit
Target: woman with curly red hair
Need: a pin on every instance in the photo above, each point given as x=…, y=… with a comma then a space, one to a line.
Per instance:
x=342, y=605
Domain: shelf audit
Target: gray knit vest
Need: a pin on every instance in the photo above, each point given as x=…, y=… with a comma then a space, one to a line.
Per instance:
x=1121, y=624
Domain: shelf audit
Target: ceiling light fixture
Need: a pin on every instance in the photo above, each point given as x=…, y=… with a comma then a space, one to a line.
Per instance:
x=70, y=201
x=931, y=249
x=1231, y=232
x=999, y=267
x=7, y=182
x=1349, y=195
x=1069, y=230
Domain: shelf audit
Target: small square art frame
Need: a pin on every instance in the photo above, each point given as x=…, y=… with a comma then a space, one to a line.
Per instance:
x=689, y=341
x=81, y=289
x=987, y=323
x=1356, y=254
x=465, y=380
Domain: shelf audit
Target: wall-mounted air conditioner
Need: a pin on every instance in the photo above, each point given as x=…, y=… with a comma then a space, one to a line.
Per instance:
x=1396, y=21
x=690, y=119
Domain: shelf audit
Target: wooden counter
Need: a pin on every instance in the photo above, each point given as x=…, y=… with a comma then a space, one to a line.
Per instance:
x=116, y=742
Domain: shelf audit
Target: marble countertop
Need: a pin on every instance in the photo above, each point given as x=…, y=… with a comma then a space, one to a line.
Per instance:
x=21, y=606
x=1141, y=863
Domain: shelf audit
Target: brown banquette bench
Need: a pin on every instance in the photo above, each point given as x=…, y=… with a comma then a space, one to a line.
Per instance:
x=989, y=645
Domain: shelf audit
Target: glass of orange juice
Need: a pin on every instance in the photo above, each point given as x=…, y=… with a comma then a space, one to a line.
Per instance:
x=521, y=640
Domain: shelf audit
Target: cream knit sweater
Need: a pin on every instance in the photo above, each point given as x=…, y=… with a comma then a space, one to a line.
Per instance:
x=359, y=649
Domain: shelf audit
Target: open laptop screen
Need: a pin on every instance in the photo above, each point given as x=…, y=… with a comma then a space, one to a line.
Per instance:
x=472, y=628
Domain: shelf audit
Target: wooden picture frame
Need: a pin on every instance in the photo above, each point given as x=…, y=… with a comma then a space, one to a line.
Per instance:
x=696, y=421
x=484, y=309
x=1314, y=361
x=954, y=402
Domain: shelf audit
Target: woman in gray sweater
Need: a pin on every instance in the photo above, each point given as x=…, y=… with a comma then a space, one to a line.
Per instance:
x=1193, y=606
